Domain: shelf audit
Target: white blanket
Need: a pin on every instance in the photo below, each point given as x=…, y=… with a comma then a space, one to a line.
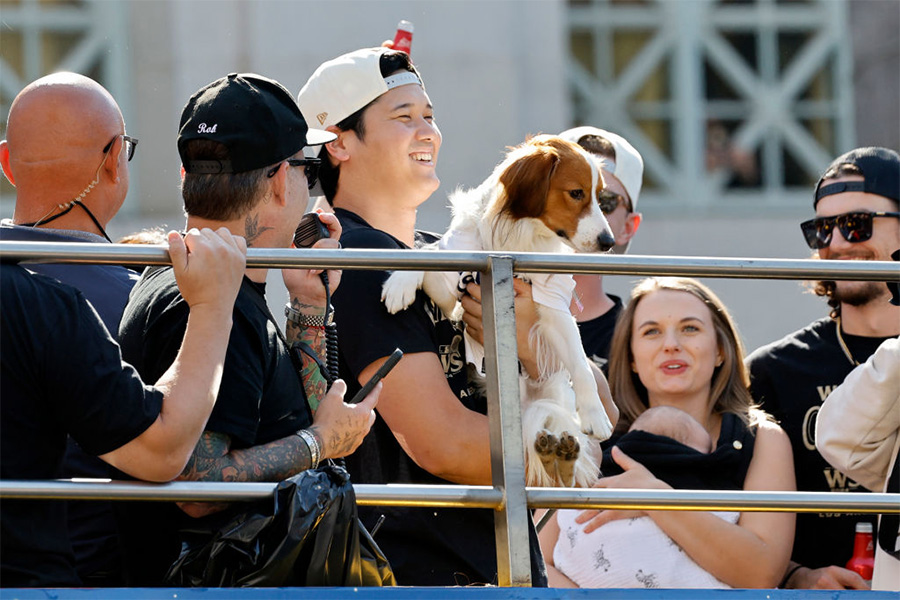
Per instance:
x=627, y=553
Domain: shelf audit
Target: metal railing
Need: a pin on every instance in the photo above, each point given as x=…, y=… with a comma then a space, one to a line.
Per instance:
x=508, y=496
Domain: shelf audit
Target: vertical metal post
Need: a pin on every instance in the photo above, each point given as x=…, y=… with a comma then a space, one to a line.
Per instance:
x=505, y=417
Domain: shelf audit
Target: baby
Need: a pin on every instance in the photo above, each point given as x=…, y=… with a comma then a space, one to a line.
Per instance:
x=634, y=552
x=676, y=424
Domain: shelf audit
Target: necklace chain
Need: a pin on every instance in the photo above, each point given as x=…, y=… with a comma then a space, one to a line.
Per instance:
x=843, y=344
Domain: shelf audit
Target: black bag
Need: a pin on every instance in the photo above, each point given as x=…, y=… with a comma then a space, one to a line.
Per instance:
x=307, y=535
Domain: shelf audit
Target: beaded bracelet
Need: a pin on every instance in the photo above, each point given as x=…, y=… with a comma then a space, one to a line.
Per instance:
x=315, y=452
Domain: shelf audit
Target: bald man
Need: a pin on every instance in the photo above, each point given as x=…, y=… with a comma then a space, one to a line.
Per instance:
x=67, y=154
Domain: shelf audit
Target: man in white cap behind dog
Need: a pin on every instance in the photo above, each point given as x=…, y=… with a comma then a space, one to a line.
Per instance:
x=595, y=311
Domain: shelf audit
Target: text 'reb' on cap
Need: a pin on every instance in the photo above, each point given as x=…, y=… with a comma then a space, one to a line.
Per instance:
x=255, y=118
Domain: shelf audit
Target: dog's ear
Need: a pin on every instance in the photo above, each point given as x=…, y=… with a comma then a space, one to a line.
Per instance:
x=526, y=182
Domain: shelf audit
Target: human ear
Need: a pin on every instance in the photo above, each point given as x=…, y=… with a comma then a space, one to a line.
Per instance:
x=111, y=164
x=278, y=184
x=4, y=162
x=338, y=149
x=632, y=222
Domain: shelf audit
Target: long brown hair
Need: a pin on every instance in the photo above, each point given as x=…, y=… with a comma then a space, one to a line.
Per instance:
x=731, y=380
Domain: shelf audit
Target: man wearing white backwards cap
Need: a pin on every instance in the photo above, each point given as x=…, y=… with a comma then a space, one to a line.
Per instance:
x=432, y=425
x=622, y=166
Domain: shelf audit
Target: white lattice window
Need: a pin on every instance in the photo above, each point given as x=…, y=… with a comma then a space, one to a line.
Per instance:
x=39, y=37
x=729, y=102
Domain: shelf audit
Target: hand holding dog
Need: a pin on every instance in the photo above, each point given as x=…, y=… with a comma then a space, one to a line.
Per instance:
x=526, y=317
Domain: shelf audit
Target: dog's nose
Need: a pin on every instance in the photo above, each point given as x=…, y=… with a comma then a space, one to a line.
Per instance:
x=606, y=241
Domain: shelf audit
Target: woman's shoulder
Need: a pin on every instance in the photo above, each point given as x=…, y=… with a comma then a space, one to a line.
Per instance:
x=772, y=444
x=770, y=430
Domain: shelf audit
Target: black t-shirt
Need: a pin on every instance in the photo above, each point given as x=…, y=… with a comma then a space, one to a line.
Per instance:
x=426, y=546
x=791, y=378
x=62, y=374
x=596, y=334
x=261, y=399
x=92, y=528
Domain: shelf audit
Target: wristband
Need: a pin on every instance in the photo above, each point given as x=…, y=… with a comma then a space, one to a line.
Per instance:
x=784, y=582
x=298, y=318
x=312, y=443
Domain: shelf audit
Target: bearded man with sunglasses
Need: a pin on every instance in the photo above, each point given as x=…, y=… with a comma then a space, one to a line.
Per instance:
x=594, y=310
x=241, y=141
x=857, y=218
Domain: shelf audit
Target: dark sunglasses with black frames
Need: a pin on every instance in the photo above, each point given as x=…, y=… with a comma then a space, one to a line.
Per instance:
x=130, y=144
x=609, y=201
x=311, y=166
x=854, y=226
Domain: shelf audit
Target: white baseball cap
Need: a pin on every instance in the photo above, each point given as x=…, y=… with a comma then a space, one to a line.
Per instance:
x=629, y=166
x=343, y=85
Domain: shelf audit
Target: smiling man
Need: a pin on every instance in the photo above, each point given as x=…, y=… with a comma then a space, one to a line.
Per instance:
x=432, y=426
x=857, y=218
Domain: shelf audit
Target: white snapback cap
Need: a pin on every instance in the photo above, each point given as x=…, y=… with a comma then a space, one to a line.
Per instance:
x=343, y=85
x=629, y=166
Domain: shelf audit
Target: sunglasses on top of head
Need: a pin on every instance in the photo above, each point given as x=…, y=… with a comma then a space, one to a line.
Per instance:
x=311, y=169
x=854, y=226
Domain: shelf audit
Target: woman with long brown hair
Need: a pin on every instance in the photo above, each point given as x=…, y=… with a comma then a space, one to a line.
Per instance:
x=676, y=345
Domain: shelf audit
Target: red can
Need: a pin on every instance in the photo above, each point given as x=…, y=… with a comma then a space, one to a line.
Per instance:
x=403, y=37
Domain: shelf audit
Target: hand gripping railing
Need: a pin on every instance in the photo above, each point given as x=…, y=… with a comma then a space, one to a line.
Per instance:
x=508, y=496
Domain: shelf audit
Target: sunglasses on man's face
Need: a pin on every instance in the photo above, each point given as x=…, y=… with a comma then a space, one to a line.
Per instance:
x=311, y=169
x=854, y=226
x=609, y=201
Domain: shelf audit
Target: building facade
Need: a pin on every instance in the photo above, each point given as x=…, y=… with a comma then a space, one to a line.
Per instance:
x=736, y=105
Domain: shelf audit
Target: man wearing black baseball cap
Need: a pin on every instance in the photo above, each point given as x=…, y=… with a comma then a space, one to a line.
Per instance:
x=241, y=141
x=857, y=203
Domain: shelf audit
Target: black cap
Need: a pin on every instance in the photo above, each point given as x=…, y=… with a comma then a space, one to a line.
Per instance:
x=253, y=116
x=881, y=173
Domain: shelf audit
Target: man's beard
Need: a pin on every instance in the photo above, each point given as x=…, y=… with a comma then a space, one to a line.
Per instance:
x=858, y=293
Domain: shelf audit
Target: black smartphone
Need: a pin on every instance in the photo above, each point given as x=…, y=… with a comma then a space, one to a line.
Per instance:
x=383, y=370
x=310, y=230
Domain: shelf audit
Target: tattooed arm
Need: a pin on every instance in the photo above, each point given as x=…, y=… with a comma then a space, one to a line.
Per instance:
x=339, y=429
x=307, y=296
x=314, y=337
x=214, y=460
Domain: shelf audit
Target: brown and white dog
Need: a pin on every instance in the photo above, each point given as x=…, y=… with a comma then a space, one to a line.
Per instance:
x=541, y=198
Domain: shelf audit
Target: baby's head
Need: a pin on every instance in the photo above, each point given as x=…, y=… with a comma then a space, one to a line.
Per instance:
x=676, y=424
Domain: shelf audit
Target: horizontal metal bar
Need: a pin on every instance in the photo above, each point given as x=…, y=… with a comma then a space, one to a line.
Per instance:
x=464, y=496
x=806, y=502
x=202, y=491
x=524, y=262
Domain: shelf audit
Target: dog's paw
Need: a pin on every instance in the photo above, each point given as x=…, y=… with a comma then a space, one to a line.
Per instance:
x=546, y=444
x=568, y=448
x=399, y=290
x=567, y=453
x=595, y=423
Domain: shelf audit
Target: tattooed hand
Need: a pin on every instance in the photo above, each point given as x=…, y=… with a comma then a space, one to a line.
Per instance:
x=341, y=427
